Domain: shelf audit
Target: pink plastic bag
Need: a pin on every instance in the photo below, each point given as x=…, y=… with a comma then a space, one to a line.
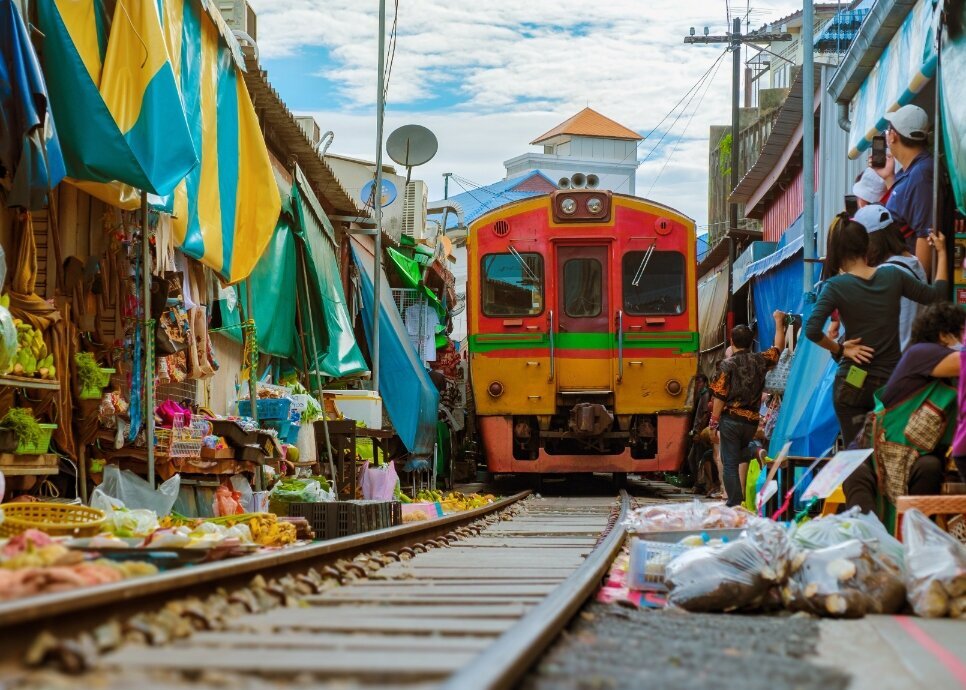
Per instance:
x=379, y=483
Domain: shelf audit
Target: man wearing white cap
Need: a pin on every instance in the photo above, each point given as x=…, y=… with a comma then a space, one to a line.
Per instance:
x=870, y=188
x=910, y=200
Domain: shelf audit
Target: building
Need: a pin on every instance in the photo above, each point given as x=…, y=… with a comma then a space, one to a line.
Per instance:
x=587, y=143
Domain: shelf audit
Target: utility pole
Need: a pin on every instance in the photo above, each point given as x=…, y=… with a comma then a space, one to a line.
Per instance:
x=808, y=141
x=446, y=177
x=377, y=195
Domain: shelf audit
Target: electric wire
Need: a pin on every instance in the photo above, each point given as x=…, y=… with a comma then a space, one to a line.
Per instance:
x=391, y=54
x=684, y=131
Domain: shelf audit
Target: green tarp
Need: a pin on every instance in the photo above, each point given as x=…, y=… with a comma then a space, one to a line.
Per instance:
x=953, y=95
x=300, y=258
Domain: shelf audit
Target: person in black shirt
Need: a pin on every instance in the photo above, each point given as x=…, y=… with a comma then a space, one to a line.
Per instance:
x=868, y=302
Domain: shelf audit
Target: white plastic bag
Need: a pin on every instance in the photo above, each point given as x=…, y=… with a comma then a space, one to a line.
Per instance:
x=936, y=568
x=134, y=492
x=830, y=530
x=239, y=483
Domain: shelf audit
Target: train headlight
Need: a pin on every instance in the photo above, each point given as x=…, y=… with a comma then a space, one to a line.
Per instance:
x=495, y=389
x=673, y=387
x=595, y=205
x=568, y=206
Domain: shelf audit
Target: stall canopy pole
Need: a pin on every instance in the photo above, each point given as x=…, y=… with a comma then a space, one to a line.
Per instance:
x=377, y=194
x=251, y=353
x=148, y=377
x=808, y=139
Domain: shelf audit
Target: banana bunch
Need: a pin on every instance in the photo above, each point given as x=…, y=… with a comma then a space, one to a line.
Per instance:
x=268, y=531
x=457, y=501
x=32, y=357
x=429, y=495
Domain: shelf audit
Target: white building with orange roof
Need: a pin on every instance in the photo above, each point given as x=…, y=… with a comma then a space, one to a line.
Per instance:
x=587, y=143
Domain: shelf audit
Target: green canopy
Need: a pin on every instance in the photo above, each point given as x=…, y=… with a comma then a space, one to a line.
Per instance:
x=411, y=274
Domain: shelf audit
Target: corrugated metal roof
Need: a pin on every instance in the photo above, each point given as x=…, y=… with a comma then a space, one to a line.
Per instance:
x=785, y=130
x=281, y=123
x=479, y=200
x=589, y=123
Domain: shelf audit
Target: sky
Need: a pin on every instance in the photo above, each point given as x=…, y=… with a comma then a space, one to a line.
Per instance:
x=488, y=76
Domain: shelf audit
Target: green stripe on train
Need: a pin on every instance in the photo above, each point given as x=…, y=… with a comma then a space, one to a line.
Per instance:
x=682, y=341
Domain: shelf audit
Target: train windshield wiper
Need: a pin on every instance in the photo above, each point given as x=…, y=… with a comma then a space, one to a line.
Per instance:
x=643, y=267
x=526, y=266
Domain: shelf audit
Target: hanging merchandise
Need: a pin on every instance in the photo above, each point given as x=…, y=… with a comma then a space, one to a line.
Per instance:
x=421, y=322
x=777, y=378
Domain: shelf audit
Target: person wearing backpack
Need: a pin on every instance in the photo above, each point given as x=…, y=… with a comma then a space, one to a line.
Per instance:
x=886, y=247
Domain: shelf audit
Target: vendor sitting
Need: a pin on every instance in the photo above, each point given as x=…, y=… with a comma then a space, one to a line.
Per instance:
x=915, y=413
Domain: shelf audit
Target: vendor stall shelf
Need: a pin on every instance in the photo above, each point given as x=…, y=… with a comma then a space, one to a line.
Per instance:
x=28, y=465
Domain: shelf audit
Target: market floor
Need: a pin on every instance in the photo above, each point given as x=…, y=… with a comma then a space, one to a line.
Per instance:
x=612, y=647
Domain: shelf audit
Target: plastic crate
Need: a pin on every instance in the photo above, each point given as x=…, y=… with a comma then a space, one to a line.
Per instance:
x=96, y=391
x=268, y=408
x=281, y=427
x=293, y=434
x=647, y=563
x=41, y=446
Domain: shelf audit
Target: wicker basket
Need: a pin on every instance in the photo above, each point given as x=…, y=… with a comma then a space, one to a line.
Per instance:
x=56, y=519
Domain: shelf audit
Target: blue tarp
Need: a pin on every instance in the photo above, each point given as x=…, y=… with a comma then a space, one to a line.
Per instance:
x=777, y=282
x=806, y=417
x=411, y=399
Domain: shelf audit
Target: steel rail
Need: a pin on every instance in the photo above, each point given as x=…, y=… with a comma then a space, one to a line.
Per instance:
x=506, y=661
x=104, y=601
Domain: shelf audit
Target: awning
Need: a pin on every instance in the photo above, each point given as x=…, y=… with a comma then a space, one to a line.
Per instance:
x=30, y=152
x=324, y=312
x=114, y=94
x=952, y=94
x=409, y=395
x=227, y=206
x=754, y=252
x=791, y=244
x=903, y=69
x=807, y=416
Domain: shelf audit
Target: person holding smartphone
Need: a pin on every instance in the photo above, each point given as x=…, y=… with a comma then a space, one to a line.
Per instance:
x=868, y=301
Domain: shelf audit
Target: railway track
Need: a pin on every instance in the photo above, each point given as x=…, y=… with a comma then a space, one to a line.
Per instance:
x=476, y=612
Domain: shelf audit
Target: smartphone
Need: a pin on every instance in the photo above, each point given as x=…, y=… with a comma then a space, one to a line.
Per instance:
x=878, y=152
x=851, y=205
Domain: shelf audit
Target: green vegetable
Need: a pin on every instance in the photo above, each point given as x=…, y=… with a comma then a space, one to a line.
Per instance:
x=88, y=371
x=21, y=421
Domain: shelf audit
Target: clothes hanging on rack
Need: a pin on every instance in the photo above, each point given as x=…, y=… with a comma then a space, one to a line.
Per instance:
x=421, y=322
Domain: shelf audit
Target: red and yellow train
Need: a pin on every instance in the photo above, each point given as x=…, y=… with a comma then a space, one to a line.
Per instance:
x=582, y=319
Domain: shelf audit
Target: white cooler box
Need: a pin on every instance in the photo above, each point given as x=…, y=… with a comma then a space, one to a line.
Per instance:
x=364, y=406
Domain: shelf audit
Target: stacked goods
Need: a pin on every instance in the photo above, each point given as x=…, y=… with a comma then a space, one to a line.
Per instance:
x=936, y=569
x=843, y=581
x=32, y=563
x=32, y=358
x=694, y=515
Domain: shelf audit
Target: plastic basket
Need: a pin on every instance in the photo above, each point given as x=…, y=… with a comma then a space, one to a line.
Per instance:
x=268, y=408
x=95, y=391
x=280, y=426
x=293, y=434
x=334, y=519
x=56, y=519
x=41, y=446
x=647, y=563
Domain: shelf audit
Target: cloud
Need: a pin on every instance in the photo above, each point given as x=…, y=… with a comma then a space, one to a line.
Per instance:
x=489, y=76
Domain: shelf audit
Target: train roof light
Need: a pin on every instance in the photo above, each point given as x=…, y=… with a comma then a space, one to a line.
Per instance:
x=568, y=206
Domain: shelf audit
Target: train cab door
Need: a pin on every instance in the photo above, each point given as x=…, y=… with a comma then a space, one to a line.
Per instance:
x=582, y=332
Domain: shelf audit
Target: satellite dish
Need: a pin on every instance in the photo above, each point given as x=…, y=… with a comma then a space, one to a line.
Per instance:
x=412, y=145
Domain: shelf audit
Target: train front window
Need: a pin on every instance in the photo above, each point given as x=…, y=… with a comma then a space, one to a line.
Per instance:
x=582, y=288
x=512, y=284
x=653, y=284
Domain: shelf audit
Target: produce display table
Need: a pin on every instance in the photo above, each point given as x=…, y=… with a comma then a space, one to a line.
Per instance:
x=343, y=434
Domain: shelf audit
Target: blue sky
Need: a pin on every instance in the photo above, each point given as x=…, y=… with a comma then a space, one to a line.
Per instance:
x=488, y=76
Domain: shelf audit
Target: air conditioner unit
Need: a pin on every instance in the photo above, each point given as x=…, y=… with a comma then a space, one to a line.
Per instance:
x=414, y=210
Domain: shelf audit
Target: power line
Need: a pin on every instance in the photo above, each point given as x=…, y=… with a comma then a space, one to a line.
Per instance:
x=391, y=53
x=687, y=124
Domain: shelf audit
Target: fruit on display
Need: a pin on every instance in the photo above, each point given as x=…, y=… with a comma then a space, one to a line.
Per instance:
x=32, y=358
x=265, y=529
x=455, y=500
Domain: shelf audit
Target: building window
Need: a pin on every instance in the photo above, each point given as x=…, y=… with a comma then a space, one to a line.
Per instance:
x=512, y=284
x=582, y=288
x=659, y=282
x=548, y=149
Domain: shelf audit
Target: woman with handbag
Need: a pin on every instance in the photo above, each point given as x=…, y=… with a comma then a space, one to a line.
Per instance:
x=915, y=415
x=867, y=299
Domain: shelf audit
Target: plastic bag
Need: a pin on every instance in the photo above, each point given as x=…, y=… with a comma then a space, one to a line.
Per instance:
x=830, y=530
x=134, y=492
x=122, y=522
x=737, y=575
x=292, y=490
x=239, y=483
x=935, y=568
x=846, y=580
x=686, y=516
x=379, y=483
x=8, y=340
x=226, y=502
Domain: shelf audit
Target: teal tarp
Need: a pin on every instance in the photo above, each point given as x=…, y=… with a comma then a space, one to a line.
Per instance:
x=407, y=391
x=952, y=87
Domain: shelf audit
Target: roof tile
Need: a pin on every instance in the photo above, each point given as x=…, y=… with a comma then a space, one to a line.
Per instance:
x=590, y=123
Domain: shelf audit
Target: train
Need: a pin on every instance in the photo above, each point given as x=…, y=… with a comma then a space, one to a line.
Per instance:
x=582, y=333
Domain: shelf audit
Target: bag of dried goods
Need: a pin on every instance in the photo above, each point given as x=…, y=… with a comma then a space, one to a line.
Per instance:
x=935, y=568
x=830, y=530
x=732, y=576
x=846, y=580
